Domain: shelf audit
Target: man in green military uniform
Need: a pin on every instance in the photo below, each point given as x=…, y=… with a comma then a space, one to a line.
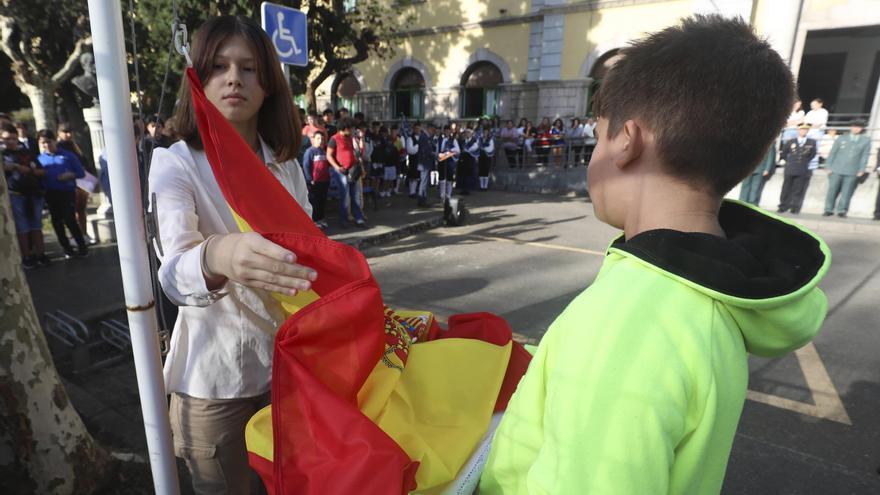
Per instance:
x=847, y=161
x=753, y=185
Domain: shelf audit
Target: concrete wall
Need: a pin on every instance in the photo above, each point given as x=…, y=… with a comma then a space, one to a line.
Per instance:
x=861, y=53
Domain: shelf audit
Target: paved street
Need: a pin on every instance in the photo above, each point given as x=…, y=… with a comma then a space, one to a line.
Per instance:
x=811, y=426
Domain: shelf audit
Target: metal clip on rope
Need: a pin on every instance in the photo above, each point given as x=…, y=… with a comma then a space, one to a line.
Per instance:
x=181, y=43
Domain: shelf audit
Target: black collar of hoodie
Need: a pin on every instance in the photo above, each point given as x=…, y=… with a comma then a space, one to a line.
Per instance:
x=762, y=257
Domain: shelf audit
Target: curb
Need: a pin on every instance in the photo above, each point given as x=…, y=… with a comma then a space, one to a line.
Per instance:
x=857, y=225
x=362, y=243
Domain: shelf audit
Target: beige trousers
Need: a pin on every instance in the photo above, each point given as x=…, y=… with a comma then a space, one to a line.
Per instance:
x=209, y=436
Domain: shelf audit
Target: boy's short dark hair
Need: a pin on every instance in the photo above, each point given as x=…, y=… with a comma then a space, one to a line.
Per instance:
x=328, y=111
x=344, y=123
x=713, y=93
x=8, y=127
x=45, y=134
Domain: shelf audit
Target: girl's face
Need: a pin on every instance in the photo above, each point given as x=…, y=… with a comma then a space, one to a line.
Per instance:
x=234, y=85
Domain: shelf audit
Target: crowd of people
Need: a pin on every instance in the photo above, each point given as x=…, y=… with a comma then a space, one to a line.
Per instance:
x=350, y=158
x=47, y=170
x=685, y=291
x=357, y=157
x=805, y=145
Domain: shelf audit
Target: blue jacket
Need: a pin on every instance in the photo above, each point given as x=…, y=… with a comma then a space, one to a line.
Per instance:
x=58, y=163
x=427, y=155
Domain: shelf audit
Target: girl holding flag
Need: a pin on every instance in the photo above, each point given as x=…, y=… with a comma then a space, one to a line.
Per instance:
x=219, y=367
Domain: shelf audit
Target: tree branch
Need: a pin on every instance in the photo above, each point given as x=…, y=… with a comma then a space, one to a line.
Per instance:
x=65, y=72
x=25, y=51
x=323, y=75
x=7, y=44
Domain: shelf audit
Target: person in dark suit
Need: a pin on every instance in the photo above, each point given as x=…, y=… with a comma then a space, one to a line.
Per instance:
x=796, y=154
x=25, y=139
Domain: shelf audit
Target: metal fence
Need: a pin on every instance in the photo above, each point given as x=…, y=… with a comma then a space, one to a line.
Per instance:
x=569, y=152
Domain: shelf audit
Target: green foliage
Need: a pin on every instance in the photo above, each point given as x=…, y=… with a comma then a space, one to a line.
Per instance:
x=339, y=36
x=25, y=115
x=153, y=21
x=45, y=32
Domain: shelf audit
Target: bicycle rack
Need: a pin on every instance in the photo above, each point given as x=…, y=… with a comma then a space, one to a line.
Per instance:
x=116, y=334
x=66, y=328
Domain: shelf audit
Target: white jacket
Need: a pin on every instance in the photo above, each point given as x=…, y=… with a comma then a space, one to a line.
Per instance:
x=222, y=343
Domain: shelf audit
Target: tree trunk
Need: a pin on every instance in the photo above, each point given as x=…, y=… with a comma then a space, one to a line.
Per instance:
x=311, y=102
x=42, y=97
x=44, y=446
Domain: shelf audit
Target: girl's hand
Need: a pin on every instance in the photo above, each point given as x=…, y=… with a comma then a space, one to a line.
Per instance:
x=251, y=260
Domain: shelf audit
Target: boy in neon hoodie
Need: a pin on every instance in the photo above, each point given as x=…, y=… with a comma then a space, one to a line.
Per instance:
x=638, y=386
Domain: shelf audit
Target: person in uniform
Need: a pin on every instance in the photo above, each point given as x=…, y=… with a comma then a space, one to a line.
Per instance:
x=847, y=162
x=753, y=185
x=449, y=152
x=797, y=154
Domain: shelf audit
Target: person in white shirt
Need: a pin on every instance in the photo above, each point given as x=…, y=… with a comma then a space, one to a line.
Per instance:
x=817, y=117
x=795, y=118
x=218, y=369
x=574, y=135
x=510, y=138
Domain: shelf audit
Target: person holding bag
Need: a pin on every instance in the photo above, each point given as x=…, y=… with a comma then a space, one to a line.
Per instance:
x=345, y=172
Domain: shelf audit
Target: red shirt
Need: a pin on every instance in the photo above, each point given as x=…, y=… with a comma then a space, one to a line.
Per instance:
x=309, y=130
x=344, y=150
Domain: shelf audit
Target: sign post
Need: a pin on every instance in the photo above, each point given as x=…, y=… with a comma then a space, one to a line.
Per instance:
x=287, y=28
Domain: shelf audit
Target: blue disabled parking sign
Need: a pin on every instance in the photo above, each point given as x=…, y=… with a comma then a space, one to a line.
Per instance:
x=287, y=29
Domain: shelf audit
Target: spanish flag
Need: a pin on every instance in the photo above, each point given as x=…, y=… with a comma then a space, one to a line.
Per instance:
x=365, y=399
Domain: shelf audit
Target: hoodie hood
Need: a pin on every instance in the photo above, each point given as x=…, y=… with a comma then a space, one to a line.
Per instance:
x=766, y=273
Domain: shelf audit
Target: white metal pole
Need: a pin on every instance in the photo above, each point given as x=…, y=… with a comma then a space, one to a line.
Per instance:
x=115, y=96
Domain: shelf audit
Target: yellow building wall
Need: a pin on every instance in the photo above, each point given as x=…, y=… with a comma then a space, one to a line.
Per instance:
x=612, y=28
x=437, y=13
x=446, y=55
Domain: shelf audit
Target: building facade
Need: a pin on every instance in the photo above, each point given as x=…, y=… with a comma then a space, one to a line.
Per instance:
x=537, y=58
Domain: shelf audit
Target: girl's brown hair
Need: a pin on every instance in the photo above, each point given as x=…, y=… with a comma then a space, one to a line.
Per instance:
x=278, y=122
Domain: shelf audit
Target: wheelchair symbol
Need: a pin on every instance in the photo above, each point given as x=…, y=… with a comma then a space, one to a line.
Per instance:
x=284, y=34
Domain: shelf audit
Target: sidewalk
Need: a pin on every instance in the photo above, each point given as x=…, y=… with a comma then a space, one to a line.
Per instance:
x=90, y=289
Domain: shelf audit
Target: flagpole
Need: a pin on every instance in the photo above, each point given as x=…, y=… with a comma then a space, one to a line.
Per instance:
x=115, y=98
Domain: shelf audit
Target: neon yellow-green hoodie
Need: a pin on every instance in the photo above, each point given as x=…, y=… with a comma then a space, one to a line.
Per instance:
x=638, y=386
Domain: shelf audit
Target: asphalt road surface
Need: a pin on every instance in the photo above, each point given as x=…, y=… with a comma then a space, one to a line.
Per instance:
x=812, y=421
